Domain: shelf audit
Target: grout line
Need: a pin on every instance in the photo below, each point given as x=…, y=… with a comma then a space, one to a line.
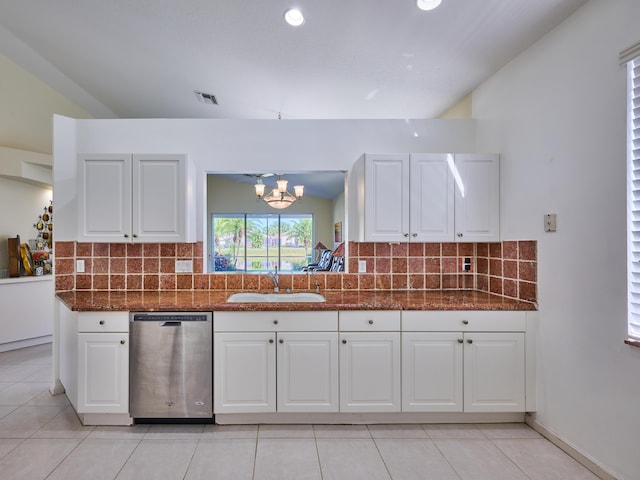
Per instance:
x=381, y=456
x=315, y=441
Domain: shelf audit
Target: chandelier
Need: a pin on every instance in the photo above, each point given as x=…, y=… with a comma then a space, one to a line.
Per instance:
x=279, y=197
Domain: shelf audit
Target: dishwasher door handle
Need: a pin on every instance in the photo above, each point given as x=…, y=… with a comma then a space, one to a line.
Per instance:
x=171, y=324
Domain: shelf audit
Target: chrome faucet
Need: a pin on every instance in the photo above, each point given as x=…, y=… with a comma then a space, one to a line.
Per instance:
x=316, y=279
x=276, y=278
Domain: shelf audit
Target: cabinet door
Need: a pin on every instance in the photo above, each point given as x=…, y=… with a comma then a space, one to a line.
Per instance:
x=307, y=372
x=103, y=373
x=432, y=198
x=244, y=372
x=159, y=198
x=494, y=372
x=386, y=206
x=370, y=372
x=477, y=203
x=432, y=372
x=104, y=198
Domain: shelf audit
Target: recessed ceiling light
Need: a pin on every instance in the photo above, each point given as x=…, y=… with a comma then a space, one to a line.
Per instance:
x=294, y=17
x=427, y=4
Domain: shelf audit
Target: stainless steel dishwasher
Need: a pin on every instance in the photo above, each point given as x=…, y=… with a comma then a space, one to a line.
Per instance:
x=170, y=365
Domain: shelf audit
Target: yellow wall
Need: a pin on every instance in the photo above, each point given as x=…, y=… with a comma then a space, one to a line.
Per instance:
x=27, y=110
x=461, y=110
x=27, y=106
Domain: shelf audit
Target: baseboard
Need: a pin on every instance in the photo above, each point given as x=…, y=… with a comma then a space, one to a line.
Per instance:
x=30, y=342
x=569, y=449
x=111, y=419
x=367, y=418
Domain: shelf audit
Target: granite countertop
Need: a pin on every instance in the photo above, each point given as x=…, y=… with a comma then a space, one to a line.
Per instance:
x=215, y=300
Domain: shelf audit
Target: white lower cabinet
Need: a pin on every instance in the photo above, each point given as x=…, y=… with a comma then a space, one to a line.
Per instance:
x=264, y=366
x=370, y=361
x=494, y=372
x=307, y=372
x=370, y=372
x=432, y=379
x=103, y=372
x=373, y=362
x=94, y=363
x=463, y=371
x=244, y=372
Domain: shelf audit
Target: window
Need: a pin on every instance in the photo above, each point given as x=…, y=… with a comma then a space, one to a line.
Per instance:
x=261, y=242
x=633, y=195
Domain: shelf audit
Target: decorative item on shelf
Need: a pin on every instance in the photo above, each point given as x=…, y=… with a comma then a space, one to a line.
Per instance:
x=27, y=260
x=42, y=245
x=44, y=227
x=279, y=197
x=14, y=256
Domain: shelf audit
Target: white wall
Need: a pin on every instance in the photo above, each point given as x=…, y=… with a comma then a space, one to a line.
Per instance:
x=557, y=115
x=242, y=146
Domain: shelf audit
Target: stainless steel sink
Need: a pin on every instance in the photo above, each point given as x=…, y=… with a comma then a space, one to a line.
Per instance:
x=249, y=297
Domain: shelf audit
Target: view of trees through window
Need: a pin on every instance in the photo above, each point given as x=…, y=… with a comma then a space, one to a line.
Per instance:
x=259, y=242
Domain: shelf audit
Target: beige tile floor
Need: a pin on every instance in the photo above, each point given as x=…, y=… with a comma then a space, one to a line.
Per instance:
x=41, y=438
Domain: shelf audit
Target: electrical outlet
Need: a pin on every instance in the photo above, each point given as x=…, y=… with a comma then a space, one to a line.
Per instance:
x=79, y=266
x=362, y=266
x=466, y=264
x=184, y=266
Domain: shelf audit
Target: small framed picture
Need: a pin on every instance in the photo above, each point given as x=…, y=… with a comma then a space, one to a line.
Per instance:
x=337, y=232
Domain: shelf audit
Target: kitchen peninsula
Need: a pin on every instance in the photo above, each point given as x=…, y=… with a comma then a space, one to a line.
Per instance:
x=374, y=356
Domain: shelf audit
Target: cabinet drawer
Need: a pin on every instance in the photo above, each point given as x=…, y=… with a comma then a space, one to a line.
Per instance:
x=370, y=321
x=325, y=321
x=93, y=322
x=463, y=321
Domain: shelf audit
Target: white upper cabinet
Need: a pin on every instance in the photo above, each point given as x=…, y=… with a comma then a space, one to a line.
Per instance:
x=425, y=198
x=140, y=198
x=386, y=212
x=432, y=198
x=477, y=204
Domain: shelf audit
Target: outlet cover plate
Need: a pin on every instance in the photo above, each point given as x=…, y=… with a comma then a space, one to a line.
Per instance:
x=184, y=266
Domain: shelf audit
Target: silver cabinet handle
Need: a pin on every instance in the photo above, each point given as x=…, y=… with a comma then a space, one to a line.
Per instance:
x=126, y=235
x=101, y=322
x=460, y=340
x=344, y=342
x=135, y=235
x=281, y=341
x=370, y=322
x=460, y=235
x=275, y=322
x=469, y=341
x=414, y=235
x=466, y=322
x=406, y=234
x=122, y=342
x=271, y=340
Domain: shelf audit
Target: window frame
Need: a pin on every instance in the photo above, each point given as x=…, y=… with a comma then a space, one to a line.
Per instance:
x=246, y=259
x=632, y=62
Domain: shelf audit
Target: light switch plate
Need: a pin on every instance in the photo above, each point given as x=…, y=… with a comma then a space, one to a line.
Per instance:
x=550, y=222
x=362, y=266
x=79, y=266
x=184, y=266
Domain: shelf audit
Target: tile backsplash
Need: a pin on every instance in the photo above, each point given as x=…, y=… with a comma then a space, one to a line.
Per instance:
x=507, y=268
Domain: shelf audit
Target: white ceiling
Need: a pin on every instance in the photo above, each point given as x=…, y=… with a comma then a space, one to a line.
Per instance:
x=351, y=58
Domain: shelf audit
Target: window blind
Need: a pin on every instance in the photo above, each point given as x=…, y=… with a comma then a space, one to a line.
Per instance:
x=633, y=196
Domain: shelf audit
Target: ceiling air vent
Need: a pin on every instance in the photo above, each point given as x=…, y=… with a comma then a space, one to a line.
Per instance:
x=206, y=98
